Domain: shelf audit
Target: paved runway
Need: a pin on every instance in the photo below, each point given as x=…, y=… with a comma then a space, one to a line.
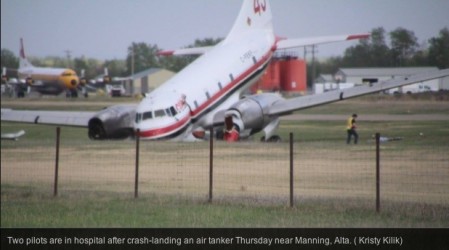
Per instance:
x=370, y=117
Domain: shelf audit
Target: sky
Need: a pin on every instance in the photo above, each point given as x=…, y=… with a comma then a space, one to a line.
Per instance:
x=103, y=29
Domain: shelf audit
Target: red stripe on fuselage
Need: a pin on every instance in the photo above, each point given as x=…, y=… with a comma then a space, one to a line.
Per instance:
x=230, y=86
x=185, y=121
x=164, y=130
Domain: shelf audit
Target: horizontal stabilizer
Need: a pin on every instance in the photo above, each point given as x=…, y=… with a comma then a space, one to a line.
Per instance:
x=300, y=42
x=186, y=51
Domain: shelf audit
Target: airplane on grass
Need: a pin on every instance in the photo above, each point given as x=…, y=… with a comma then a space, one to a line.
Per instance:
x=47, y=81
x=208, y=92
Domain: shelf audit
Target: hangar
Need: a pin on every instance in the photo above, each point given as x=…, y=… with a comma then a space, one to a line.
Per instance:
x=147, y=80
x=360, y=76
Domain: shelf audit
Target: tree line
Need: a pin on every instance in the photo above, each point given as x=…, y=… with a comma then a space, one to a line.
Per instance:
x=401, y=50
x=140, y=56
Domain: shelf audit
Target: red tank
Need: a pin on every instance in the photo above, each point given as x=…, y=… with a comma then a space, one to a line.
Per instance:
x=286, y=74
x=293, y=75
x=271, y=79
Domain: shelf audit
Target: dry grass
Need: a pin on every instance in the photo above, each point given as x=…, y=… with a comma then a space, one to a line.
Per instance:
x=322, y=170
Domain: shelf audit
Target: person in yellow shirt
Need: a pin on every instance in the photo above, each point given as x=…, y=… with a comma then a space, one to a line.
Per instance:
x=351, y=129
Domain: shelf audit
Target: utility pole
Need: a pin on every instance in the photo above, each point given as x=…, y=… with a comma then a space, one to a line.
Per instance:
x=132, y=60
x=132, y=70
x=69, y=57
x=313, y=50
x=313, y=63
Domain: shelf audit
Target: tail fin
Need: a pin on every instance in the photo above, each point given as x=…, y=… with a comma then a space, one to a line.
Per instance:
x=23, y=61
x=254, y=14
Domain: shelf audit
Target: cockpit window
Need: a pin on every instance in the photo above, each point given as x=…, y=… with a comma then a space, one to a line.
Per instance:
x=147, y=115
x=168, y=112
x=138, y=117
x=173, y=110
x=144, y=116
x=159, y=113
x=67, y=74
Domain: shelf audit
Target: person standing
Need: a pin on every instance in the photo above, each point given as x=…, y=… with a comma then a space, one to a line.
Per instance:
x=231, y=133
x=351, y=129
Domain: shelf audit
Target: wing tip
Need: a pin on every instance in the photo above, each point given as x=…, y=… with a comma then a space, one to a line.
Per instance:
x=166, y=53
x=358, y=36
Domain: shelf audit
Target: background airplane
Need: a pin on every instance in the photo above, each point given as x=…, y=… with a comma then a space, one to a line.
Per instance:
x=47, y=81
x=113, y=86
x=208, y=92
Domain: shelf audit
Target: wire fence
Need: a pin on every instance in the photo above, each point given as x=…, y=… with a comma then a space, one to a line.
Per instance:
x=250, y=172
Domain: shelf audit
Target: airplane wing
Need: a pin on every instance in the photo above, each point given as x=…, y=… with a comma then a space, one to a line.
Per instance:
x=64, y=118
x=185, y=51
x=281, y=44
x=13, y=136
x=303, y=102
x=300, y=42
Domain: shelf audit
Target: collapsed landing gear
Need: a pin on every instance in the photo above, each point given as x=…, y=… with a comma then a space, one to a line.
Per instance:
x=269, y=131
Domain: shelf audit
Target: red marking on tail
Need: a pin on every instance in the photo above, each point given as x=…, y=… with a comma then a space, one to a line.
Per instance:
x=361, y=36
x=260, y=7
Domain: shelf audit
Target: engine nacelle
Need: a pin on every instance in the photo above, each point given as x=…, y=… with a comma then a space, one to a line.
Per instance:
x=115, y=122
x=250, y=113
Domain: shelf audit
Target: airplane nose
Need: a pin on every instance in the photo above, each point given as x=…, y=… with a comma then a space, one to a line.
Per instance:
x=73, y=82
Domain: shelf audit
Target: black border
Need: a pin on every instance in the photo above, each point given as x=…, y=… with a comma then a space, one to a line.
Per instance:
x=355, y=238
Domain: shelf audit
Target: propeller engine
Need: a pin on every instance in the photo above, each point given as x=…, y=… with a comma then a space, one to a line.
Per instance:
x=250, y=115
x=115, y=122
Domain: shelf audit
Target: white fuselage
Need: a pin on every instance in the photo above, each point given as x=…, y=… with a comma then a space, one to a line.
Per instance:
x=63, y=78
x=39, y=76
x=211, y=83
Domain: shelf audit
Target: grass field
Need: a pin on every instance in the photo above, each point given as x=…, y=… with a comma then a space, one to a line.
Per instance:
x=28, y=207
x=334, y=184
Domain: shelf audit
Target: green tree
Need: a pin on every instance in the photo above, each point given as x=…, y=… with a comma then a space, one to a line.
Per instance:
x=403, y=46
x=177, y=63
x=141, y=56
x=380, y=54
x=80, y=64
x=91, y=67
x=115, y=67
x=358, y=55
x=438, y=50
x=9, y=61
x=371, y=52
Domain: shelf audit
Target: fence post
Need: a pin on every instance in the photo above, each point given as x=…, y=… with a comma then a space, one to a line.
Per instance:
x=211, y=163
x=291, y=171
x=58, y=137
x=377, y=172
x=136, y=180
